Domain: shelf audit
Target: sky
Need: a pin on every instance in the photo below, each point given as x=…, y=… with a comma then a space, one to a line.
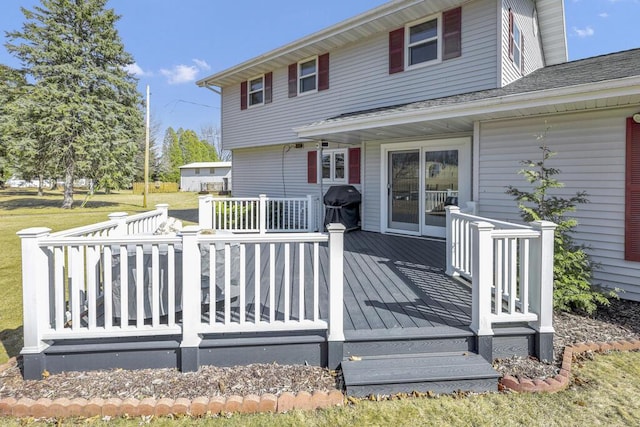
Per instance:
x=176, y=42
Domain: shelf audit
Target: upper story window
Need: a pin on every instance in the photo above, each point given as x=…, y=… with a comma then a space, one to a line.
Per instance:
x=307, y=75
x=422, y=42
x=333, y=165
x=256, y=91
x=516, y=42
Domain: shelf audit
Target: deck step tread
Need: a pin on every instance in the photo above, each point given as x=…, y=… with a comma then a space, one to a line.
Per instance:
x=417, y=368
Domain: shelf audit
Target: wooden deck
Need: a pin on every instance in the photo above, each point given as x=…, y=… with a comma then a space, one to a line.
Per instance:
x=391, y=283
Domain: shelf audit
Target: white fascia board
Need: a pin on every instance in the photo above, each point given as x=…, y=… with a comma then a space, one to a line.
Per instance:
x=586, y=92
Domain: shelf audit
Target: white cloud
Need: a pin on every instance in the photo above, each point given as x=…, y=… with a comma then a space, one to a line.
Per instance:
x=603, y=15
x=202, y=64
x=180, y=74
x=136, y=70
x=584, y=32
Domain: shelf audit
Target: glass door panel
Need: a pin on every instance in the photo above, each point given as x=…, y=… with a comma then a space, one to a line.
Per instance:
x=404, y=190
x=440, y=188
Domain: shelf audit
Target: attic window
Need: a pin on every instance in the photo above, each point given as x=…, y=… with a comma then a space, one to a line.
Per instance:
x=422, y=42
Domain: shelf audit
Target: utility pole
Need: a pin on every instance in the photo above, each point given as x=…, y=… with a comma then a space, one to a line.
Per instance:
x=146, y=156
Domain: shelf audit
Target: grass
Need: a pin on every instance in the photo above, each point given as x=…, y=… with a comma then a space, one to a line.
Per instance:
x=606, y=391
x=20, y=209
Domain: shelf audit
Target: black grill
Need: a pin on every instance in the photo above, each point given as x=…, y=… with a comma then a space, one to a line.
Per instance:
x=342, y=204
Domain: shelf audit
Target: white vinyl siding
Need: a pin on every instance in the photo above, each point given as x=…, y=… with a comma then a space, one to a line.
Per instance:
x=360, y=80
x=276, y=171
x=523, y=16
x=591, y=157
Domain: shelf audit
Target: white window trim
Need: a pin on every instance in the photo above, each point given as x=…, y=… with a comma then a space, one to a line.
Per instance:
x=407, y=45
x=517, y=45
x=312, y=58
x=332, y=179
x=249, y=92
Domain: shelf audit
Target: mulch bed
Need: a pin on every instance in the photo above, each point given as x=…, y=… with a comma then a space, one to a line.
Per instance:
x=619, y=321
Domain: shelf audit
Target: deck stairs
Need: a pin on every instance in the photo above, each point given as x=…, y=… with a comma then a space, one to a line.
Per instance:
x=440, y=360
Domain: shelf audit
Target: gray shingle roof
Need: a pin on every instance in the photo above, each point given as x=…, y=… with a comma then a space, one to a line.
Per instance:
x=601, y=68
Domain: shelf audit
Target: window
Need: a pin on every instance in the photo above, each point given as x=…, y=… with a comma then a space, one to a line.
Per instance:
x=517, y=43
x=212, y=171
x=256, y=91
x=197, y=171
x=337, y=166
x=307, y=76
x=422, y=42
x=333, y=162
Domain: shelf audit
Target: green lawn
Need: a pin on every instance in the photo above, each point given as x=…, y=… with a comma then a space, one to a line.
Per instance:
x=21, y=209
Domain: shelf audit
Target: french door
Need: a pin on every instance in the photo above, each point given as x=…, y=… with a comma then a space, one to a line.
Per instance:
x=420, y=182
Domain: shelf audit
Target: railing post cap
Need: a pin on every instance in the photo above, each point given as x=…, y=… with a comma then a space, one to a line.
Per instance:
x=162, y=205
x=118, y=215
x=262, y=196
x=205, y=197
x=33, y=232
x=452, y=208
x=335, y=227
x=190, y=230
x=544, y=225
x=482, y=225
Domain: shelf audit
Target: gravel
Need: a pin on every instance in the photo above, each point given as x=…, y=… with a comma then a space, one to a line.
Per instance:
x=619, y=321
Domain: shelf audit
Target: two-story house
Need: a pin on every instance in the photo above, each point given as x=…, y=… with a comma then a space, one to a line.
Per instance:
x=418, y=102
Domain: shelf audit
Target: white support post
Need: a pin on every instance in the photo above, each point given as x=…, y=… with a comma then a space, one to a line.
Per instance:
x=35, y=289
x=482, y=277
x=164, y=212
x=191, y=277
x=336, y=281
x=541, y=275
x=262, y=213
x=451, y=245
x=121, y=223
x=311, y=214
x=205, y=212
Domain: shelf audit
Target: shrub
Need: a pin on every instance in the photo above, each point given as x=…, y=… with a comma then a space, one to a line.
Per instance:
x=573, y=268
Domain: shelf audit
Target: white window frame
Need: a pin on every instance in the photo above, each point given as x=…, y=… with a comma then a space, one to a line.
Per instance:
x=300, y=76
x=332, y=166
x=517, y=47
x=250, y=92
x=408, y=45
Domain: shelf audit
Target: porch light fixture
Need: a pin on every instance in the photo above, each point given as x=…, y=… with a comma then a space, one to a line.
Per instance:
x=636, y=117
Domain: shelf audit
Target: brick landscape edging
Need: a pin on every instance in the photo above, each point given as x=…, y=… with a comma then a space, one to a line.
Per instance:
x=561, y=381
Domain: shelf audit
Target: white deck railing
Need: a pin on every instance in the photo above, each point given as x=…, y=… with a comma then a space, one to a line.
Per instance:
x=84, y=284
x=510, y=267
x=259, y=214
x=435, y=200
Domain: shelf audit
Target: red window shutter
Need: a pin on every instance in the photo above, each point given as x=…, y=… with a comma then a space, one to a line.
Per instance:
x=323, y=72
x=293, y=80
x=396, y=51
x=632, y=193
x=452, y=33
x=510, y=34
x=268, y=88
x=354, y=165
x=312, y=167
x=243, y=95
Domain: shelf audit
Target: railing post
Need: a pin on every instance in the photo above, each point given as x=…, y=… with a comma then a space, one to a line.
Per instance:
x=35, y=299
x=336, y=294
x=451, y=244
x=164, y=212
x=191, y=277
x=481, y=284
x=205, y=212
x=541, y=287
x=262, y=213
x=121, y=223
x=311, y=216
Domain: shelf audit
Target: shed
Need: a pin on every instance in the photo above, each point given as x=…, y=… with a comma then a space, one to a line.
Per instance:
x=206, y=176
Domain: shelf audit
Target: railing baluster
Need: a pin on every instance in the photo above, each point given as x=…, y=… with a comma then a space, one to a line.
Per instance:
x=92, y=271
x=76, y=270
x=108, y=288
x=124, y=286
x=301, y=311
x=513, y=278
x=272, y=281
x=257, y=269
x=58, y=259
x=287, y=281
x=316, y=280
x=171, y=284
x=139, y=283
x=243, y=283
x=227, y=283
x=524, y=276
x=213, y=273
x=155, y=286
